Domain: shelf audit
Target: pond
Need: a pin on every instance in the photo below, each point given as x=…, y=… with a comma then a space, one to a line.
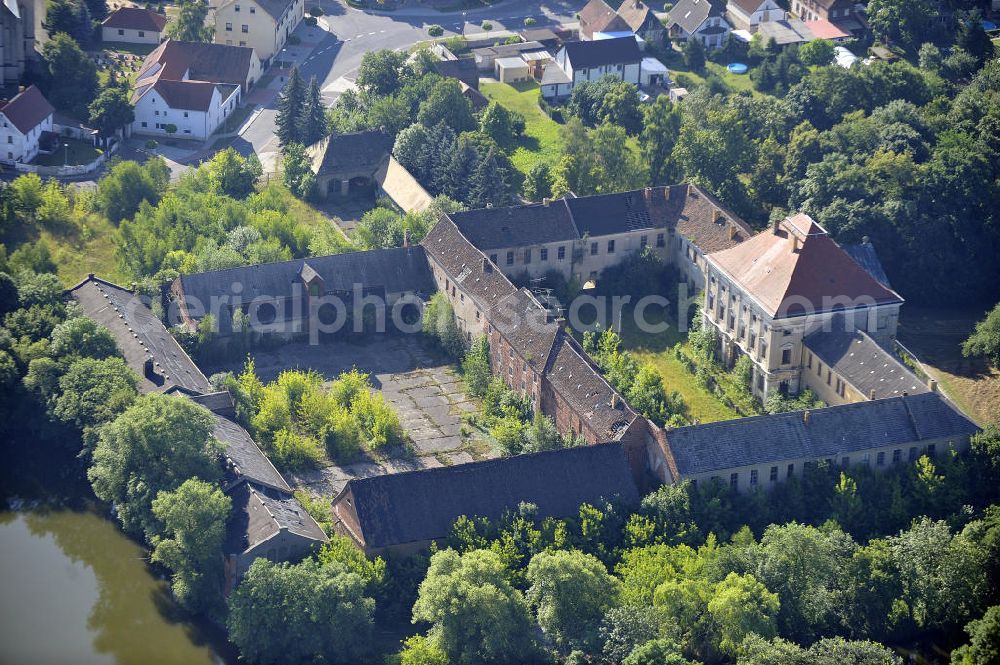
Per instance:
x=76, y=590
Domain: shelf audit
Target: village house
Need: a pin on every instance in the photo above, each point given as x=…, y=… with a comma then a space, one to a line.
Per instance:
x=263, y=25
x=830, y=10
x=598, y=16
x=749, y=14
x=405, y=512
x=25, y=119
x=133, y=25
x=17, y=38
x=266, y=519
x=577, y=62
x=765, y=296
x=643, y=22
x=188, y=89
x=704, y=20
x=761, y=451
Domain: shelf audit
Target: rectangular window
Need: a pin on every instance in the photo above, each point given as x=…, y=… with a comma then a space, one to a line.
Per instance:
x=913, y=454
x=142, y=34
x=786, y=356
x=643, y=241
x=660, y=240
x=880, y=459
x=527, y=256
x=931, y=450
x=143, y=124
x=829, y=375
x=819, y=368
x=245, y=28
x=185, y=114
x=242, y=43
x=734, y=480
x=763, y=348
x=866, y=459
x=543, y=254
x=121, y=32
x=753, y=476
x=593, y=249
x=253, y=10
x=897, y=455
x=791, y=471
x=562, y=253
x=493, y=258
x=845, y=462
x=229, y=27
x=510, y=258
x=774, y=474
x=809, y=363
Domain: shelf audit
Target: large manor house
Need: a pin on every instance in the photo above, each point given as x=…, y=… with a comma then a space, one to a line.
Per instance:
x=807, y=311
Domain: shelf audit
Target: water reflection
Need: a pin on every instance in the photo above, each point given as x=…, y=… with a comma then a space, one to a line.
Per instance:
x=75, y=590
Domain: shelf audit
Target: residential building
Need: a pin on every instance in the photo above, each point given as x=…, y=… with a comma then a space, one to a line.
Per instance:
x=767, y=294
x=704, y=20
x=25, y=118
x=758, y=452
x=263, y=25
x=17, y=37
x=266, y=519
x=589, y=61
x=405, y=512
x=133, y=25
x=831, y=10
x=748, y=14
x=188, y=89
x=598, y=16
x=643, y=21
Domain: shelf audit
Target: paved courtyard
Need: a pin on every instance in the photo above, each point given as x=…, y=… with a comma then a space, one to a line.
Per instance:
x=424, y=389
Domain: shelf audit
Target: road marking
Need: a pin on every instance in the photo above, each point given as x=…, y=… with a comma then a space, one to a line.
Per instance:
x=370, y=34
x=381, y=31
x=359, y=36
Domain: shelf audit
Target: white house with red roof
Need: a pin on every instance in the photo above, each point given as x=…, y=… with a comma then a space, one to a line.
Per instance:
x=22, y=121
x=766, y=295
x=133, y=25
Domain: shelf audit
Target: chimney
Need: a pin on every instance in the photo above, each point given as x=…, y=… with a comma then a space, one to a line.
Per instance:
x=615, y=400
x=732, y=231
x=546, y=201
x=716, y=214
x=932, y=385
x=776, y=226
x=406, y=237
x=795, y=243
x=805, y=417
x=871, y=394
x=134, y=287
x=487, y=265
x=692, y=192
x=648, y=193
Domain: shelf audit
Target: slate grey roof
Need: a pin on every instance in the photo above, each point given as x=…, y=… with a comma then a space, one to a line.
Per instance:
x=553, y=74
x=466, y=265
x=350, y=153
x=607, y=214
x=517, y=226
x=690, y=14
x=620, y=50
x=244, y=459
x=396, y=270
x=140, y=336
x=526, y=325
x=258, y=514
x=829, y=433
x=582, y=386
x=865, y=256
x=863, y=363
x=462, y=69
x=419, y=506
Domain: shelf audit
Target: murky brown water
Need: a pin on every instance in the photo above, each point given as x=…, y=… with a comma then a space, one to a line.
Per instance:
x=74, y=589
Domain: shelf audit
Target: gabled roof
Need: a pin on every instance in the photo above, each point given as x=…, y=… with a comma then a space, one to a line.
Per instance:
x=706, y=222
x=635, y=13
x=27, y=109
x=399, y=185
x=690, y=14
x=598, y=16
x=621, y=212
x=419, y=506
x=747, y=6
x=463, y=69
x=274, y=8
x=135, y=18
x=823, y=29
x=580, y=383
x=244, y=459
x=603, y=52
x=865, y=365
x=831, y=432
x=466, y=265
x=141, y=336
x=259, y=514
x=186, y=95
x=352, y=152
x=797, y=265
x=526, y=325
x=216, y=63
x=396, y=270
x=516, y=226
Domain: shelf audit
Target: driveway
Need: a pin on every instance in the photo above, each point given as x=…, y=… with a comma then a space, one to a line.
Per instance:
x=425, y=391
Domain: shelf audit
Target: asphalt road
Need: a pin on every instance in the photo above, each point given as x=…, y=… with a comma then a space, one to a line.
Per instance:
x=349, y=33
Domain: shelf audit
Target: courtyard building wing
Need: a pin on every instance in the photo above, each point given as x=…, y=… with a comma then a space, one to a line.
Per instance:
x=421, y=506
x=859, y=360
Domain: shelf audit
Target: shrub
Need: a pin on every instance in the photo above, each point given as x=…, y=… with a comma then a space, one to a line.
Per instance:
x=487, y=26
x=315, y=11
x=528, y=22
x=294, y=451
x=435, y=30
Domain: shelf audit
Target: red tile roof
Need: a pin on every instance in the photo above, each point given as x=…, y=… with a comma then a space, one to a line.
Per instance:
x=823, y=29
x=797, y=265
x=135, y=18
x=27, y=109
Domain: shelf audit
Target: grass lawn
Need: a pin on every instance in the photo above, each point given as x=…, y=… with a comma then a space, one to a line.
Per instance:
x=935, y=336
x=541, y=141
x=79, y=152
